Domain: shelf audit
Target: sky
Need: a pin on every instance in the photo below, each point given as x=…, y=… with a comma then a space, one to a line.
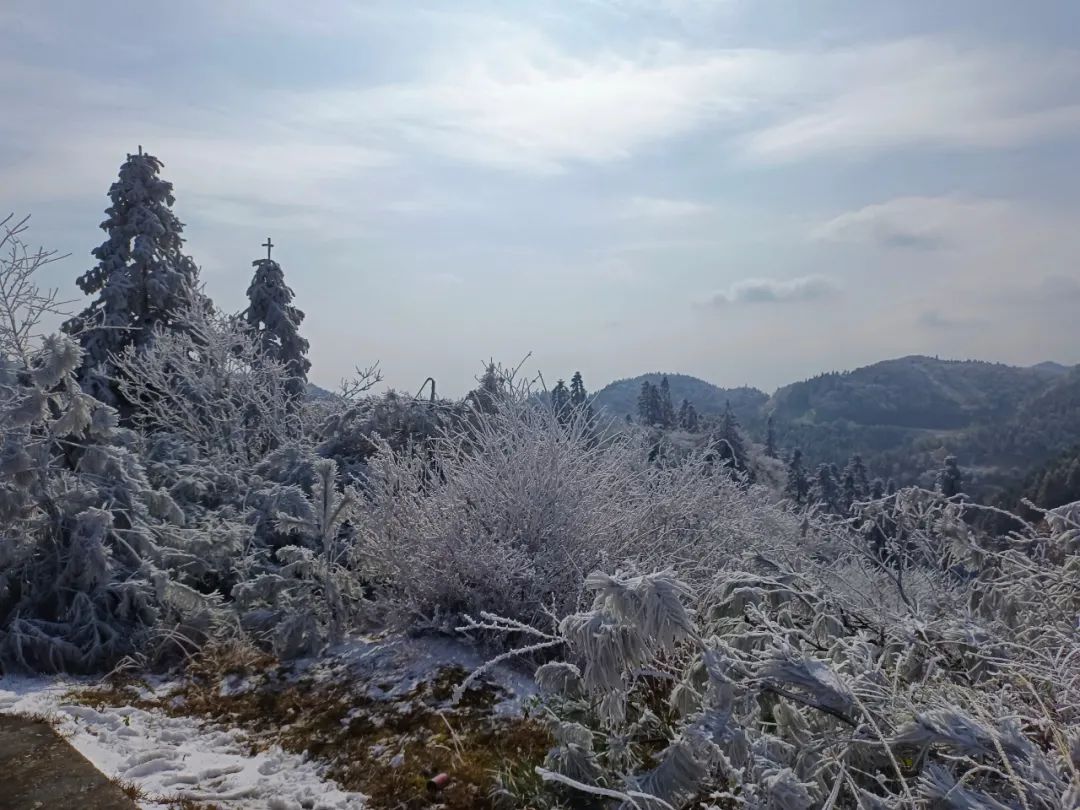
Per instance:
x=749, y=191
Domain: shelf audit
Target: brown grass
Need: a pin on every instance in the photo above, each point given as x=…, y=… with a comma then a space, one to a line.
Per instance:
x=130, y=789
x=359, y=737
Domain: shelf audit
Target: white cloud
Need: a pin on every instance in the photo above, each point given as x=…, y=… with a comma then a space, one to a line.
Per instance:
x=524, y=103
x=923, y=93
x=517, y=99
x=770, y=291
x=926, y=223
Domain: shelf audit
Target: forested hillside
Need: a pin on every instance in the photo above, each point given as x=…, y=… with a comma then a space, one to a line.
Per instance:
x=620, y=397
x=903, y=416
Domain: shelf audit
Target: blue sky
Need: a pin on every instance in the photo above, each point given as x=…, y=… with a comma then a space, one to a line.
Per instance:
x=751, y=192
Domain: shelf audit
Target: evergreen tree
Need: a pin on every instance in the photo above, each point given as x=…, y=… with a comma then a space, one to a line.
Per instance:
x=848, y=491
x=797, y=486
x=560, y=400
x=643, y=403
x=825, y=489
x=650, y=405
x=142, y=279
x=578, y=395
x=950, y=480
x=667, y=408
x=732, y=447
x=860, y=485
x=770, y=438
x=688, y=416
x=877, y=489
x=272, y=317
x=486, y=396
x=693, y=423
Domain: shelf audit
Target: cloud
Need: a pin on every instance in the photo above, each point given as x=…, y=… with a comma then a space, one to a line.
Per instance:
x=521, y=102
x=916, y=223
x=770, y=291
x=923, y=92
x=517, y=99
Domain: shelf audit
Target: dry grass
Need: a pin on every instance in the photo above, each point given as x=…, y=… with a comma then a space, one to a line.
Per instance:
x=130, y=789
x=386, y=749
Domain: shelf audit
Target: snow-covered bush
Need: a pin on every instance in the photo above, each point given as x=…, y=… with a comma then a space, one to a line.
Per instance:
x=302, y=596
x=513, y=506
x=210, y=383
x=766, y=691
x=351, y=433
x=80, y=584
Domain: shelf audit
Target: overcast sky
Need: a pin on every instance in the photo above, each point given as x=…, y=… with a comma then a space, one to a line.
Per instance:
x=744, y=190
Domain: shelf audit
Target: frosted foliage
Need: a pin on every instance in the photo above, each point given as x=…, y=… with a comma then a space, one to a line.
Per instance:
x=786, y=686
x=79, y=583
x=276, y=324
x=208, y=381
x=508, y=511
x=141, y=278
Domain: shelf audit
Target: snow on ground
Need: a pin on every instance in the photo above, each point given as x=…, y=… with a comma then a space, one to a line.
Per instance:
x=387, y=668
x=177, y=757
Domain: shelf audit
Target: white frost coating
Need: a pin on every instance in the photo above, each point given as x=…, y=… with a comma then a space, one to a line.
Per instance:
x=176, y=757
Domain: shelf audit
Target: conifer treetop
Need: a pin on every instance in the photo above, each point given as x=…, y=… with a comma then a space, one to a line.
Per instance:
x=142, y=277
x=277, y=322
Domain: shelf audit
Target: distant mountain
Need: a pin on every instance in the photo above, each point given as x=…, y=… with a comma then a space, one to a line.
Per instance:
x=1052, y=367
x=621, y=397
x=903, y=416
x=316, y=393
x=912, y=392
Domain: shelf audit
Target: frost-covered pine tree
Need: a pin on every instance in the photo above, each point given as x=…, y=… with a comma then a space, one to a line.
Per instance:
x=560, y=399
x=797, y=487
x=770, y=438
x=950, y=480
x=826, y=490
x=731, y=447
x=142, y=277
x=272, y=316
x=578, y=394
x=667, y=407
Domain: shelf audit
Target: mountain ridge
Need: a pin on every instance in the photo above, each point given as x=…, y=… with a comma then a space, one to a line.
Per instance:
x=903, y=415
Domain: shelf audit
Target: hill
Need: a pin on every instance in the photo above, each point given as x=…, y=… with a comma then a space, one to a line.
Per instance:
x=913, y=392
x=621, y=397
x=903, y=416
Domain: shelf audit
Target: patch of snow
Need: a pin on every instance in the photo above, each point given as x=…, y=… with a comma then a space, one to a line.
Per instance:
x=178, y=757
x=392, y=667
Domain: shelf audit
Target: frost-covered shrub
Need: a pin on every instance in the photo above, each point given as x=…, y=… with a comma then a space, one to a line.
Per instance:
x=355, y=430
x=79, y=582
x=210, y=384
x=782, y=687
x=301, y=596
x=509, y=509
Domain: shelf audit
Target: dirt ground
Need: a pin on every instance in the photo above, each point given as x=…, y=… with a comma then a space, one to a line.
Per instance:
x=38, y=769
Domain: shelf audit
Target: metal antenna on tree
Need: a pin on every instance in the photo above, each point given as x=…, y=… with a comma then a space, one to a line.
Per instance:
x=269, y=246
